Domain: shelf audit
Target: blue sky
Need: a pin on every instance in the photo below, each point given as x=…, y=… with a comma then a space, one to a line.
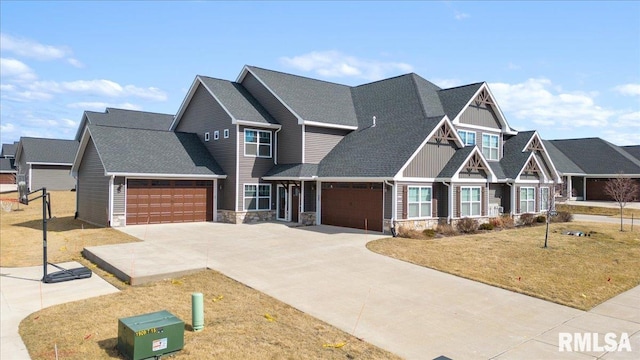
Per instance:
x=567, y=69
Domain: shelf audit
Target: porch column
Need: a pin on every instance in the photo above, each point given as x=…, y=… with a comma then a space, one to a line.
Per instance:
x=569, y=188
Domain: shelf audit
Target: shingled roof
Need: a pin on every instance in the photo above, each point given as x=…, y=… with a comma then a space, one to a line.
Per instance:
x=514, y=159
x=401, y=127
x=130, y=119
x=454, y=99
x=595, y=156
x=6, y=166
x=311, y=99
x=237, y=101
x=135, y=151
x=633, y=150
x=9, y=150
x=46, y=151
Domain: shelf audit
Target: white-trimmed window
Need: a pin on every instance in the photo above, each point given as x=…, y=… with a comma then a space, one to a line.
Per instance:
x=419, y=201
x=257, y=197
x=468, y=137
x=470, y=201
x=257, y=143
x=490, y=146
x=216, y=135
x=226, y=133
x=207, y=136
x=527, y=200
x=544, y=199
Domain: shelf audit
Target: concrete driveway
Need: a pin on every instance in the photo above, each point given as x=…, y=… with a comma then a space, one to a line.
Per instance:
x=412, y=311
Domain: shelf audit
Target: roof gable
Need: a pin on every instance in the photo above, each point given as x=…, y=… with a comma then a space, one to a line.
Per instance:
x=469, y=159
x=312, y=101
x=131, y=119
x=9, y=150
x=134, y=152
x=46, y=151
x=456, y=100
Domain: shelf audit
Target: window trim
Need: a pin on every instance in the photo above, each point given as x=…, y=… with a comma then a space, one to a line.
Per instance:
x=466, y=136
x=489, y=147
x=420, y=202
x=226, y=133
x=216, y=135
x=207, y=136
x=257, y=197
x=257, y=143
x=471, y=201
x=527, y=200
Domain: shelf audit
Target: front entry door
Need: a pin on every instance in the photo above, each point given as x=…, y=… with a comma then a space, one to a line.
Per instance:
x=282, y=203
x=288, y=203
x=294, y=205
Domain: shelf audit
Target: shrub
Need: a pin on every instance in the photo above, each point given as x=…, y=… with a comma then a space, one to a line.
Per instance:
x=527, y=219
x=446, y=229
x=429, y=233
x=507, y=222
x=486, y=226
x=541, y=219
x=467, y=225
x=563, y=216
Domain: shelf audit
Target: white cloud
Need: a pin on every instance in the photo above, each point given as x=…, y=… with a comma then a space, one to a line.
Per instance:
x=336, y=64
x=16, y=69
x=75, y=62
x=100, y=106
x=447, y=83
x=628, y=89
x=621, y=137
x=461, y=16
x=512, y=66
x=7, y=128
x=99, y=87
x=628, y=119
x=540, y=102
x=31, y=49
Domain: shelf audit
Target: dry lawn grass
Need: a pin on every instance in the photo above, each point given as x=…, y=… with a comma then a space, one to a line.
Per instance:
x=21, y=232
x=580, y=272
x=237, y=324
x=595, y=210
x=236, y=320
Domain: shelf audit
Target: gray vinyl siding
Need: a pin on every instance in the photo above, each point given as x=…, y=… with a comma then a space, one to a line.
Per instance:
x=53, y=177
x=290, y=137
x=430, y=160
x=532, y=176
x=252, y=169
x=309, y=196
x=119, y=196
x=545, y=166
x=388, y=201
x=318, y=142
x=480, y=115
x=93, y=188
x=204, y=114
x=481, y=174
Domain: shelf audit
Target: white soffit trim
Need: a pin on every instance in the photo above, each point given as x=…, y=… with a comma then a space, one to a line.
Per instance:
x=532, y=156
x=257, y=124
x=166, y=176
x=327, y=125
x=484, y=160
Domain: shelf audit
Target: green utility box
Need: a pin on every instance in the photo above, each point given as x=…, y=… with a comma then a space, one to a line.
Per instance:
x=150, y=336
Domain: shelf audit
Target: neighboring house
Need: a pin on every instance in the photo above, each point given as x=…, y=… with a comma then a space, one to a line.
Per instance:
x=587, y=164
x=130, y=119
x=138, y=176
x=276, y=146
x=7, y=164
x=46, y=163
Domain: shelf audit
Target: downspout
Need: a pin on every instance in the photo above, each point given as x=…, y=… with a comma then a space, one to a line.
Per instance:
x=449, y=202
x=275, y=148
x=110, y=206
x=394, y=200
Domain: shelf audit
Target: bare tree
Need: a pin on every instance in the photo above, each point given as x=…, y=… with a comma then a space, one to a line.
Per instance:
x=548, y=201
x=621, y=189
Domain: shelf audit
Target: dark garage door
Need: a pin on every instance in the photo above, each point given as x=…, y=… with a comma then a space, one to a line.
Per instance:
x=595, y=190
x=7, y=178
x=169, y=201
x=350, y=204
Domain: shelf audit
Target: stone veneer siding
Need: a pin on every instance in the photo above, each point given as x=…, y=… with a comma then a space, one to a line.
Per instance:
x=245, y=217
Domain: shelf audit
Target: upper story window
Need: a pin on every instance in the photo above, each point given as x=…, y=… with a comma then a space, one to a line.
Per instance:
x=490, y=146
x=419, y=201
x=216, y=135
x=226, y=133
x=468, y=137
x=257, y=143
x=207, y=136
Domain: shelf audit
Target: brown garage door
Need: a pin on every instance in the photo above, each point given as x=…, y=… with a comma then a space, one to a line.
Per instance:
x=169, y=201
x=7, y=178
x=353, y=205
x=595, y=190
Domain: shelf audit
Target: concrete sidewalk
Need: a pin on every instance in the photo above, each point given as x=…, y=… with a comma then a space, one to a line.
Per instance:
x=415, y=312
x=22, y=293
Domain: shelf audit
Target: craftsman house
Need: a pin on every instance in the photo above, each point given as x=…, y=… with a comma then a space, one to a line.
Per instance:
x=7, y=166
x=46, y=163
x=587, y=164
x=399, y=151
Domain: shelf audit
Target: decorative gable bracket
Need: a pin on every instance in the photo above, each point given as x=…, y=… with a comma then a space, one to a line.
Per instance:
x=475, y=164
x=484, y=98
x=444, y=134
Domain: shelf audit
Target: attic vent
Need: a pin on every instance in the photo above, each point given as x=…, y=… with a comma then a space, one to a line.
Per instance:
x=374, y=122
